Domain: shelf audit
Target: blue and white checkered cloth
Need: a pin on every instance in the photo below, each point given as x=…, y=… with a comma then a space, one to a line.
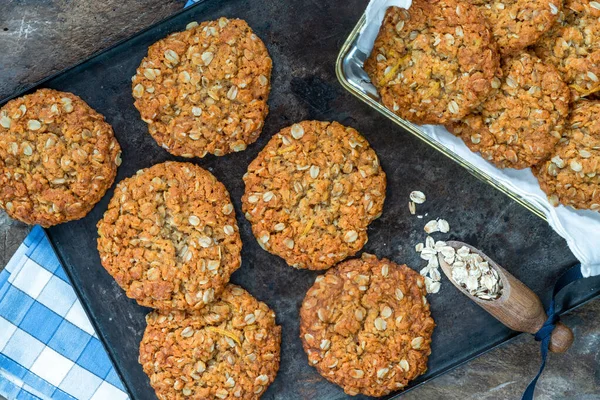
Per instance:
x=48, y=348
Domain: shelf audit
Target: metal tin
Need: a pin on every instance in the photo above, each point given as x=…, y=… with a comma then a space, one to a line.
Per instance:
x=352, y=76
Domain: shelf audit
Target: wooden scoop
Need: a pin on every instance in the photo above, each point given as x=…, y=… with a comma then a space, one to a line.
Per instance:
x=518, y=307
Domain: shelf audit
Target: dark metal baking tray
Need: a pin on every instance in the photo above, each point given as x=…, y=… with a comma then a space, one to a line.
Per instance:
x=303, y=38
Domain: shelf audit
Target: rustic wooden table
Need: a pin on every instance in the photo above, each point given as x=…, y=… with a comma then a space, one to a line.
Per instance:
x=39, y=39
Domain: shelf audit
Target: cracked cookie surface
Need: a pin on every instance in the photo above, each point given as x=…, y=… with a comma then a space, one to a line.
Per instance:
x=517, y=24
x=572, y=175
x=573, y=46
x=205, y=90
x=312, y=192
x=57, y=157
x=228, y=350
x=519, y=125
x=435, y=62
x=366, y=326
x=169, y=237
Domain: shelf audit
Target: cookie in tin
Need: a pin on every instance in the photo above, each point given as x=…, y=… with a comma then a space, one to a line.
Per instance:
x=572, y=174
x=435, y=62
x=517, y=24
x=519, y=125
x=573, y=46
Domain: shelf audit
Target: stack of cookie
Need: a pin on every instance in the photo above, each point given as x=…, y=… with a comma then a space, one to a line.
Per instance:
x=170, y=239
x=515, y=80
x=170, y=236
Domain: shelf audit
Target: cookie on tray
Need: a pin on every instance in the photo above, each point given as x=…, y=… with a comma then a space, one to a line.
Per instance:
x=519, y=125
x=228, y=350
x=573, y=46
x=572, y=175
x=57, y=157
x=169, y=237
x=311, y=193
x=366, y=326
x=205, y=90
x=435, y=62
x=517, y=24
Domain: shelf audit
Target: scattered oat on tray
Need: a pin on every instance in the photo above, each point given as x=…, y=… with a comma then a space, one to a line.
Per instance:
x=57, y=157
x=434, y=62
x=572, y=174
x=437, y=225
x=429, y=252
x=205, y=90
x=170, y=237
x=228, y=350
x=312, y=192
x=416, y=197
x=366, y=326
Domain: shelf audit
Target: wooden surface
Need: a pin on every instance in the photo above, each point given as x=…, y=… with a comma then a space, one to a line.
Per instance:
x=39, y=38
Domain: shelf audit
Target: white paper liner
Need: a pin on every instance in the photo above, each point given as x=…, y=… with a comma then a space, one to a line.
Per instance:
x=581, y=229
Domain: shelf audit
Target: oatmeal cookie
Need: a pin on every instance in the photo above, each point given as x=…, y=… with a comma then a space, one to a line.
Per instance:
x=57, y=157
x=520, y=124
x=435, y=62
x=573, y=46
x=572, y=175
x=169, y=237
x=312, y=192
x=205, y=89
x=517, y=24
x=366, y=326
x=228, y=350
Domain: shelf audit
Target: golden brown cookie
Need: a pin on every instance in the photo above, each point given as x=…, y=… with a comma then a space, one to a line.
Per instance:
x=228, y=350
x=572, y=175
x=366, y=326
x=312, y=192
x=169, y=237
x=435, y=62
x=517, y=24
x=573, y=46
x=520, y=124
x=57, y=157
x=205, y=89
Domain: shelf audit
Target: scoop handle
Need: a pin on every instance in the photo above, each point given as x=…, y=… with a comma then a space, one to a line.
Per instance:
x=522, y=310
x=561, y=338
x=524, y=306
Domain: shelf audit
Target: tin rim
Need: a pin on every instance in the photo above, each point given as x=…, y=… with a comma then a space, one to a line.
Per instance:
x=414, y=129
